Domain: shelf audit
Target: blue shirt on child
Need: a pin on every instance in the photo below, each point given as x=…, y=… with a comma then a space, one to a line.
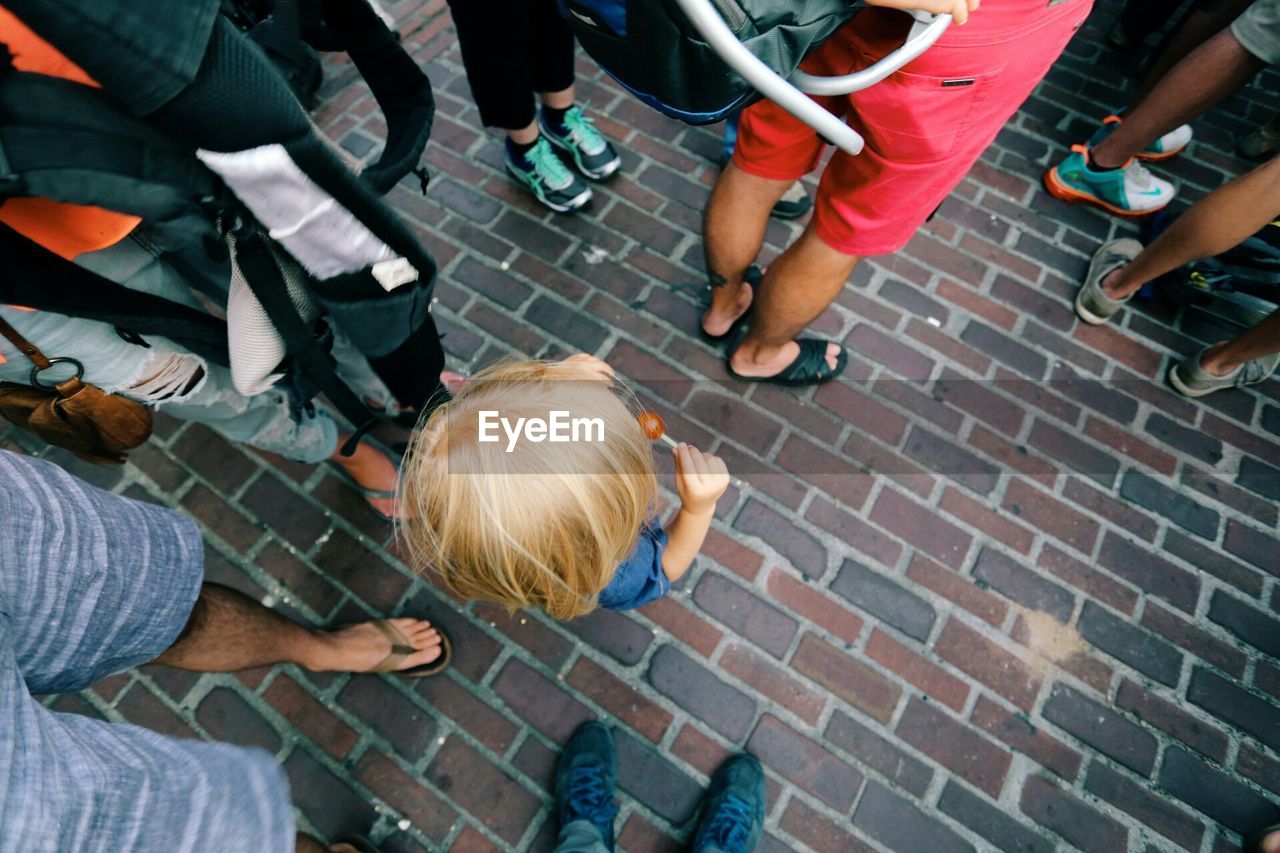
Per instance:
x=640, y=578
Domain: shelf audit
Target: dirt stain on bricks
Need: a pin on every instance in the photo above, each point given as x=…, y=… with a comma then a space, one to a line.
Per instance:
x=1049, y=641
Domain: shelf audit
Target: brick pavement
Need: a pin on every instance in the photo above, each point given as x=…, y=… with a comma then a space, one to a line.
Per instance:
x=998, y=586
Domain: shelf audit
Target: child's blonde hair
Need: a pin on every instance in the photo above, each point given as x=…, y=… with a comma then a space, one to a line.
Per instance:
x=544, y=525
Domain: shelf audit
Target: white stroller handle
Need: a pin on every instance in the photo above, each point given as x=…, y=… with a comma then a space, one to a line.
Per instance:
x=708, y=22
x=927, y=29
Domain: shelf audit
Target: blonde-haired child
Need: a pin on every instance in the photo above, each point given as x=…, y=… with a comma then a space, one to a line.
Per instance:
x=513, y=517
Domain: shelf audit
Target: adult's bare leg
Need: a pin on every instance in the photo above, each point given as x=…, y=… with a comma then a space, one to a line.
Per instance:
x=1260, y=341
x=796, y=288
x=733, y=232
x=1198, y=27
x=228, y=631
x=1208, y=74
x=1222, y=219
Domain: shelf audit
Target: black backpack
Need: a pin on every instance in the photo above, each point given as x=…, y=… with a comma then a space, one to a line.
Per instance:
x=652, y=49
x=700, y=60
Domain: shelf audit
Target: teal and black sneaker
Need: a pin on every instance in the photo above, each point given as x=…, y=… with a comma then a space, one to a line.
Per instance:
x=733, y=809
x=578, y=137
x=1169, y=145
x=1127, y=191
x=544, y=175
x=585, y=779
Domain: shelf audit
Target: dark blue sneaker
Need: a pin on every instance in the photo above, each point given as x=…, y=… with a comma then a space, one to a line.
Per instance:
x=541, y=172
x=578, y=137
x=733, y=809
x=585, y=779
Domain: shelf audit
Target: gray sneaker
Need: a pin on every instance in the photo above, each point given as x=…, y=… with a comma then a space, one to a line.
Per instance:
x=1094, y=306
x=1192, y=380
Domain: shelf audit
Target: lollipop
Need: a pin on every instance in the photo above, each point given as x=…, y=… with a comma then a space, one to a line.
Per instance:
x=653, y=427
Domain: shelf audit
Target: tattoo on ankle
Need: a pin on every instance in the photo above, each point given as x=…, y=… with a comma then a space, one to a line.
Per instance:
x=716, y=280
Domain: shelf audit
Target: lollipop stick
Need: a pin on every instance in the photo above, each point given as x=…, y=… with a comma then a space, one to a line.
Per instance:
x=669, y=440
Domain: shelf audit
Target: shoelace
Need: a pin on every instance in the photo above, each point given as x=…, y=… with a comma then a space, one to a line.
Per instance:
x=730, y=826
x=588, y=797
x=1136, y=173
x=547, y=167
x=584, y=128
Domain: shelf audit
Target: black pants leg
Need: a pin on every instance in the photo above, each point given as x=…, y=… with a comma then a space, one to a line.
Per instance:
x=512, y=49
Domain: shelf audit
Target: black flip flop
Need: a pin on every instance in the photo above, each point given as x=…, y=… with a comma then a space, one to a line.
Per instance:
x=752, y=277
x=808, y=368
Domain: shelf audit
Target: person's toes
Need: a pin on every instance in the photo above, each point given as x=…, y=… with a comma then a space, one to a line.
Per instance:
x=833, y=355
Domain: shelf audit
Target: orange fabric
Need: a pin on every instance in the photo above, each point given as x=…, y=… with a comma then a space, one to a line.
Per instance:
x=67, y=230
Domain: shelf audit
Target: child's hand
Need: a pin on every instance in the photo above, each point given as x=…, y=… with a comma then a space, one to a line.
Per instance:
x=700, y=479
x=589, y=366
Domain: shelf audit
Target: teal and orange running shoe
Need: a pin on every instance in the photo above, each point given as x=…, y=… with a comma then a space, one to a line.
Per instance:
x=1127, y=191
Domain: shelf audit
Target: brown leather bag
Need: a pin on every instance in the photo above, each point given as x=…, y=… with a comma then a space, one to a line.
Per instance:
x=94, y=425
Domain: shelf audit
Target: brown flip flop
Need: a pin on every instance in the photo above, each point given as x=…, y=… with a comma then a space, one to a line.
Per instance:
x=400, y=649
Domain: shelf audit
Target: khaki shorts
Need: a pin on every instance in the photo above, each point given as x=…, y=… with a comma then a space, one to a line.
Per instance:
x=1258, y=30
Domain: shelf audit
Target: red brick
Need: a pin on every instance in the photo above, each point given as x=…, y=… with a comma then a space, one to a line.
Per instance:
x=915, y=669
x=306, y=713
x=1051, y=515
x=545, y=644
x=1068, y=816
x=1169, y=717
x=1012, y=456
x=921, y=528
x=812, y=829
x=732, y=555
x=1090, y=670
x=539, y=702
x=986, y=520
x=485, y=791
x=681, y=623
x=948, y=346
x=457, y=702
x=788, y=753
x=988, y=662
x=431, y=816
x=1186, y=634
x=619, y=699
x=471, y=840
x=814, y=606
x=1127, y=443
x=845, y=482
x=853, y=531
x=848, y=679
x=641, y=836
x=1120, y=347
x=972, y=303
x=1120, y=513
x=873, y=457
x=955, y=746
x=1020, y=734
x=863, y=412
x=699, y=750
x=1088, y=579
x=772, y=682
x=956, y=588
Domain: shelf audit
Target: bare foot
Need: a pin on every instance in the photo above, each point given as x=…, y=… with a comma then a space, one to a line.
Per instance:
x=726, y=310
x=1213, y=363
x=1110, y=282
x=754, y=360
x=1271, y=842
x=372, y=470
x=360, y=648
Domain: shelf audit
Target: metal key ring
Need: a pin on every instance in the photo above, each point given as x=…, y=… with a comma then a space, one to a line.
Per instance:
x=36, y=371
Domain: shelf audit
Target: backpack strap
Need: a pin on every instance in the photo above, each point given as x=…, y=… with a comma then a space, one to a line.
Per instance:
x=29, y=267
x=64, y=141
x=268, y=285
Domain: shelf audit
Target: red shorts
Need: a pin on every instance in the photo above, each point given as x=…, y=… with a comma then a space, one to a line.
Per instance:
x=925, y=126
